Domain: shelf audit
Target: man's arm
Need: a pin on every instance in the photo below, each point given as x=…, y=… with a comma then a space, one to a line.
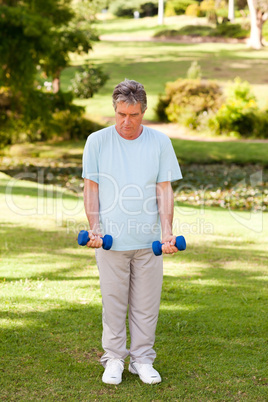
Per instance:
x=165, y=201
x=91, y=203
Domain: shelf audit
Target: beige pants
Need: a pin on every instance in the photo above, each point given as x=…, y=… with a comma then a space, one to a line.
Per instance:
x=131, y=278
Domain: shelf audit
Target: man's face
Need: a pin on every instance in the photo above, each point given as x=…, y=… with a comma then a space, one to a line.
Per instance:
x=128, y=120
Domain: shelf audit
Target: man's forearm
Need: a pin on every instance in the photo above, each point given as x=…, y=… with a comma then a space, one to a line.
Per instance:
x=165, y=201
x=91, y=203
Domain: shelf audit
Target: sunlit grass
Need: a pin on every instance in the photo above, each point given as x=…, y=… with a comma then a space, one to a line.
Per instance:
x=154, y=64
x=212, y=327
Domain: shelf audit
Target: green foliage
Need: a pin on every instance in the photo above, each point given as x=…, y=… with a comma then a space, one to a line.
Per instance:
x=186, y=99
x=126, y=8
x=74, y=125
x=24, y=40
x=38, y=33
x=191, y=30
x=229, y=30
x=37, y=115
x=88, y=81
x=122, y=8
x=240, y=114
x=225, y=30
x=194, y=10
x=177, y=7
x=265, y=30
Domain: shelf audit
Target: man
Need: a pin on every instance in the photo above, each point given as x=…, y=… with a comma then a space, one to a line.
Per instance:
x=128, y=169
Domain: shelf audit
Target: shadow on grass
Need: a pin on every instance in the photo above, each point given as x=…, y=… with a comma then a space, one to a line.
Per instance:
x=209, y=339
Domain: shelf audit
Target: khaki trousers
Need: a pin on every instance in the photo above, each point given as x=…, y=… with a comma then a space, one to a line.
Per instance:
x=129, y=278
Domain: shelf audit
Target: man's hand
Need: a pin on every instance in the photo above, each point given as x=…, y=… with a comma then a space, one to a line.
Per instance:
x=95, y=240
x=168, y=246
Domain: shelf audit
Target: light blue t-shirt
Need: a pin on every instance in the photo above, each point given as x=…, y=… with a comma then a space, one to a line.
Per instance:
x=127, y=172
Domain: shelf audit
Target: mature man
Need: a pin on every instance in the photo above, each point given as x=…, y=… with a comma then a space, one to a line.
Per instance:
x=128, y=169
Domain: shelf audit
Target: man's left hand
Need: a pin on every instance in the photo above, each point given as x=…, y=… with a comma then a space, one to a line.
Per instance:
x=168, y=246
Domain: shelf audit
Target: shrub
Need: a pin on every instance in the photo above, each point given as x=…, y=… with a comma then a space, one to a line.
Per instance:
x=74, y=126
x=228, y=30
x=169, y=9
x=149, y=9
x=34, y=116
x=177, y=7
x=191, y=30
x=122, y=8
x=126, y=8
x=186, y=99
x=194, y=10
x=207, y=5
x=88, y=81
x=240, y=114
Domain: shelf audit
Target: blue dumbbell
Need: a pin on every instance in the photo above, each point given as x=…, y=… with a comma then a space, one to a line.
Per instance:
x=83, y=238
x=180, y=244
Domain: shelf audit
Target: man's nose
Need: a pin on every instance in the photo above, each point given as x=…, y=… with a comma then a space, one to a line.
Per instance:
x=127, y=119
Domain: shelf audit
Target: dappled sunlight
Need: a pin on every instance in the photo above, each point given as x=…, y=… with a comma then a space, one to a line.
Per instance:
x=178, y=307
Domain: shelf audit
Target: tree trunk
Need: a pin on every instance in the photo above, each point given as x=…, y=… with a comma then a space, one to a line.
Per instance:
x=56, y=82
x=160, y=12
x=231, y=14
x=256, y=22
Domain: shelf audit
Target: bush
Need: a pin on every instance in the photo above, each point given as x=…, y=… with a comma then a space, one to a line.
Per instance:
x=191, y=30
x=88, y=81
x=126, y=8
x=186, y=99
x=194, y=10
x=74, y=126
x=149, y=9
x=240, y=114
x=207, y=5
x=229, y=30
x=177, y=7
x=122, y=8
x=36, y=115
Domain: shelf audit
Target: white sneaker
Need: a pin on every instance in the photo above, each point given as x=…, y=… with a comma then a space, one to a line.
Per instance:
x=113, y=371
x=146, y=372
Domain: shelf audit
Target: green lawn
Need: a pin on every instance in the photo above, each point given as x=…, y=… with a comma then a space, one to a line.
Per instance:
x=154, y=64
x=187, y=151
x=211, y=339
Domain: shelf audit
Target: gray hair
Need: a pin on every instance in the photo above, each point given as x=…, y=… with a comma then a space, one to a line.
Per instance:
x=130, y=92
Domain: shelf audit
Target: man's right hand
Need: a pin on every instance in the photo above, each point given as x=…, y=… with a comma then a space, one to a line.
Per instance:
x=95, y=240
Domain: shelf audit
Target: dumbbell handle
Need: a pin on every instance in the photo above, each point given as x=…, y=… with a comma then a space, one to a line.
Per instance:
x=180, y=244
x=83, y=239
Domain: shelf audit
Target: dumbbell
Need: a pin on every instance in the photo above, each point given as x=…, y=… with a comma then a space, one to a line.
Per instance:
x=180, y=244
x=83, y=239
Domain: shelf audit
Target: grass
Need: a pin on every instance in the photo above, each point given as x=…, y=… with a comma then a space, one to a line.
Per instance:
x=211, y=339
x=154, y=64
x=187, y=151
x=143, y=27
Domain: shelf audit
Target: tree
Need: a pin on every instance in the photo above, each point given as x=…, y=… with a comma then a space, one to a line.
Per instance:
x=160, y=12
x=258, y=10
x=38, y=33
x=231, y=14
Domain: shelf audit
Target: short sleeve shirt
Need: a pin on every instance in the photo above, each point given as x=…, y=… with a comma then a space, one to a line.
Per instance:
x=127, y=172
